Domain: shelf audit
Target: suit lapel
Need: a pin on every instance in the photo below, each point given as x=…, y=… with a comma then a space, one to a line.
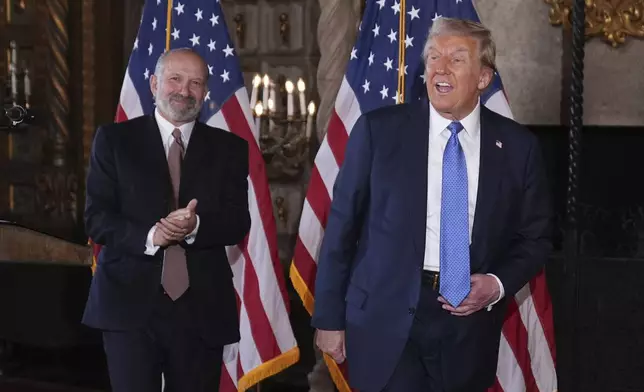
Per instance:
x=157, y=160
x=198, y=147
x=490, y=169
x=415, y=156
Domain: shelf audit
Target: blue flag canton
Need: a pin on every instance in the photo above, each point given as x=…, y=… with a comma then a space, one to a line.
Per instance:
x=373, y=65
x=196, y=24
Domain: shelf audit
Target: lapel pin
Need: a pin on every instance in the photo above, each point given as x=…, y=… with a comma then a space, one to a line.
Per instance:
x=499, y=144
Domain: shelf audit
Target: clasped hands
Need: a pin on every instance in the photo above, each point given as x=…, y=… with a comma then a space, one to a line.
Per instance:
x=176, y=226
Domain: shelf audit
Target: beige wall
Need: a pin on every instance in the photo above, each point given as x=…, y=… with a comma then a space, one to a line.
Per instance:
x=529, y=59
x=614, y=83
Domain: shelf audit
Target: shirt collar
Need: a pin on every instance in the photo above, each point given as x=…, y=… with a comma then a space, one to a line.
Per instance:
x=166, y=127
x=471, y=123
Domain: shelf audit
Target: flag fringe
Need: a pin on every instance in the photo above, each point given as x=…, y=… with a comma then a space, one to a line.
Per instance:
x=336, y=375
x=309, y=302
x=268, y=369
x=302, y=289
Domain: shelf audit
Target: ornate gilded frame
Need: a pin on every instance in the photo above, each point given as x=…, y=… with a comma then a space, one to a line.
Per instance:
x=614, y=20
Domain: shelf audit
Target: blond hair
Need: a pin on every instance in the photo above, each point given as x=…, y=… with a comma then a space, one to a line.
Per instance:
x=460, y=27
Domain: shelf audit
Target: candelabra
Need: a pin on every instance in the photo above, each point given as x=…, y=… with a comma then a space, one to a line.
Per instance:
x=15, y=103
x=284, y=132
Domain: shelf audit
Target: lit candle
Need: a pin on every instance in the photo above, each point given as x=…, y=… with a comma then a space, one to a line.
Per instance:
x=253, y=95
x=27, y=86
x=267, y=82
x=289, y=98
x=271, y=105
x=259, y=111
x=14, y=82
x=309, y=120
x=271, y=97
x=301, y=87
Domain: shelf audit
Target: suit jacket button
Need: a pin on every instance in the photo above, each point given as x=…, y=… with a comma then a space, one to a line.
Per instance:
x=412, y=311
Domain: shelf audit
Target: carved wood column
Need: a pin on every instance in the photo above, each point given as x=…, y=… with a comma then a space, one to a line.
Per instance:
x=337, y=28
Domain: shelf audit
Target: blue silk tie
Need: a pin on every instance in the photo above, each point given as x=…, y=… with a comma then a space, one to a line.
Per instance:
x=454, y=229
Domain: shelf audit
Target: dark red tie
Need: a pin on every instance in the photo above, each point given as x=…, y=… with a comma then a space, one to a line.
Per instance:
x=175, y=279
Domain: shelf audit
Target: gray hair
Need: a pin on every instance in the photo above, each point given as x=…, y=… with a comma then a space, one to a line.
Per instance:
x=160, y=65
x=460, y=27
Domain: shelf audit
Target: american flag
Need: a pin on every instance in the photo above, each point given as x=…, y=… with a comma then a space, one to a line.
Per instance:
x=389, y=27
x=267, y=343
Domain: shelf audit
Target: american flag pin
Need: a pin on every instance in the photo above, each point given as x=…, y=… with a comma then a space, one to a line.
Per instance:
x=499, y=144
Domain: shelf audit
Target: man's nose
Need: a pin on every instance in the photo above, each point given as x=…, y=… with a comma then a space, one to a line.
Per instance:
x=184, y=89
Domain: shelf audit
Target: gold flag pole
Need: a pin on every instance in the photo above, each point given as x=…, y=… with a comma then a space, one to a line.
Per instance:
x=401, y=55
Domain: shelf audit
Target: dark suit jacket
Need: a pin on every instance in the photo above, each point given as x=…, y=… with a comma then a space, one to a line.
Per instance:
x=369, y=270
x=129, y=190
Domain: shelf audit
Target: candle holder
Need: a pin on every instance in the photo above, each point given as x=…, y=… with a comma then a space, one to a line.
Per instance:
x=285, y=128
x=15, y=94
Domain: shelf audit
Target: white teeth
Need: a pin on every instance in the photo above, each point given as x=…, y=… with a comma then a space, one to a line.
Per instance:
x=442, y=84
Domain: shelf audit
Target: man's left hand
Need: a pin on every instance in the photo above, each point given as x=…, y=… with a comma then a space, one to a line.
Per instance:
x=484, y=290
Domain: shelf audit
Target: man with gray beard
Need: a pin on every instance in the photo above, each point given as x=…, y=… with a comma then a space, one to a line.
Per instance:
x=165, y=195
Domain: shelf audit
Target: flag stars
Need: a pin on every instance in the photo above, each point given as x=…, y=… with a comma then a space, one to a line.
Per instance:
x=214, y=20
x=353, y=53
x=228, y=51
x=396, y=7
x=136, y=43
x=175, y=34
x=381, y=3
x=459, y=1
x=414, y=12
x=384, y=92
x=370, y=58
x=194, y=39
x=150, y=48
x=210, y=67
x=408, y=41
x=154, y=24
x=389, y=64
x=405, y=70
x=422, y=76
x=365, y=86
x=225, y=76
x=146, y=74
x=211, y=45
x=436, y=17
x=376, y=30
x=199, y=14
x=207, y=97
x=179, y=8
x=158, y=2
x=392, y=36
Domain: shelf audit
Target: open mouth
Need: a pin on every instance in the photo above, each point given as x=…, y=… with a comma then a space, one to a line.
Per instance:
x=443, y=87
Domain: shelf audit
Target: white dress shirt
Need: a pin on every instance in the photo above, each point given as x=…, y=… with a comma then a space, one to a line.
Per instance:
x=166, y=128
x=470, y=140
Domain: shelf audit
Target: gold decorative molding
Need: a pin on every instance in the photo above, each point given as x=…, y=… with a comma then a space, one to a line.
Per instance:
x=89, y=84
x=615, y=20
x=58, y=43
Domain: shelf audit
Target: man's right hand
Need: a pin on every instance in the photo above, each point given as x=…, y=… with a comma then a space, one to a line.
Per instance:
x=332, y=343
x=159, y=238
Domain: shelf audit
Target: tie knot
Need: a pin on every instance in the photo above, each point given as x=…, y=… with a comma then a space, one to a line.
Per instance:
x=177, y=135
x=455, y=127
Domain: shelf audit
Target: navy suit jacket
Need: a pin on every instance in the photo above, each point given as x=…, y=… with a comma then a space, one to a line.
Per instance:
x=129, y=190
x=369, y=270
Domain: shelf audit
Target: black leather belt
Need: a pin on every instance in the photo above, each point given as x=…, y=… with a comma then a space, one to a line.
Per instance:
x=431, y=279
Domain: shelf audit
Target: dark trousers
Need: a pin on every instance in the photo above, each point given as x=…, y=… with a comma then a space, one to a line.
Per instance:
x=419, y=368
x=165, y=345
